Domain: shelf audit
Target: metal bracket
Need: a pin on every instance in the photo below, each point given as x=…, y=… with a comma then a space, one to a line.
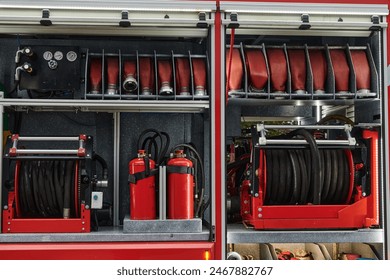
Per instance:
x=305, y=18
x=125, y=19
x=202, y=20
x=375, y=21
x=45, y=21
x=233, y=20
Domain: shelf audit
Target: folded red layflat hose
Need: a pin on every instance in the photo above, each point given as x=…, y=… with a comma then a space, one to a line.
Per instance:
x=112, y=75
x=297, y=59
x=146, y=75
x=257, y=69
x=362, y=70
x=165, y=76
x=130, y=84
x=319, y=68
x=278, y=69
x=341, y=70
x=183, y=76
x=199, y=70
x=95, y=75
x=236, y=71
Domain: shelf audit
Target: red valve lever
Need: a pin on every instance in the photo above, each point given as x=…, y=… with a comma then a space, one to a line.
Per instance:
x=319, y=67
x=146, y=75
x=183, y=76
x=257, y=69
x=165, y=77
x=236, y=71
x=112, y=75
x=341, y=70
x=297, y=61
x=278, y=69
x=362, y=70
x=95, y=75
x=199, y=70
x=129, y=75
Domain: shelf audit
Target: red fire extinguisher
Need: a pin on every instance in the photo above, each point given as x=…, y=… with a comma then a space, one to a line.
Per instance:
x=180, y=187
x=142, y=187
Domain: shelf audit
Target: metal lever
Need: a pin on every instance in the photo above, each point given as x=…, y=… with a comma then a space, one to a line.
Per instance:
x=26, y=67
x=263, y=141
x=14, y=151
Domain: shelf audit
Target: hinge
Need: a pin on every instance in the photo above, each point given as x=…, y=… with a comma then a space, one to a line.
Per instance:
x=45, y=18
x=202, y=20
x=375, y=22
x=305, y=18
x=125, y=19
x=233, y=21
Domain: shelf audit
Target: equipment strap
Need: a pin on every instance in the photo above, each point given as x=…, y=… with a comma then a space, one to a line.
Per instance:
x=181, y=170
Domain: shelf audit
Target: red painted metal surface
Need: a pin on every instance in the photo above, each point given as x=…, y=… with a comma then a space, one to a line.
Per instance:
x=362, y=213
x=11, y=224
x=180, y=189
x=109, y=251
x=218, y=102
x=143, y=192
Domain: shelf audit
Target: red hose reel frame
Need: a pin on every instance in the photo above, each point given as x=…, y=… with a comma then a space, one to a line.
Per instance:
x=362, y=213
x=12, y=223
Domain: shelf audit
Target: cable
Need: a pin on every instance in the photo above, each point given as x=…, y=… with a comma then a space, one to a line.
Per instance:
x=103, y=164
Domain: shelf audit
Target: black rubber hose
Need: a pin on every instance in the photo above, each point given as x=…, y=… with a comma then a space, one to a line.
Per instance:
x=296, y=177
x=28, y=190
x=315, y=168
x=304, y=182
x=21, y=191
x=275, y=177
x=333, y=182
x=103, y=164
x=269, y=164
x=335, y=118
x=289, y=174
x=42, y=190
x=165, y=147
x=50, y=197
x=67, y=188
x=57, y=186
x=338, y=198
x=35, y=187
x=144, y=133
x=327, y=178
x=203, y=180
x=49, y=180
x=346, y=180
x=238, y=163
x=148, y=144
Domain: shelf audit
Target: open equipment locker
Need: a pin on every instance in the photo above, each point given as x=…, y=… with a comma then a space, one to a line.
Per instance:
x=263, y=26
x=100, y=37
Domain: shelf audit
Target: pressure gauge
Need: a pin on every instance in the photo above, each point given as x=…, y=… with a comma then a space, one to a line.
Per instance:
x=71, y=56
x=47, y=55
x=58, y=55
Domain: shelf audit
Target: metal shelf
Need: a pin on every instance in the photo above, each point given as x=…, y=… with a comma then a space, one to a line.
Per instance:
x=237, y=233
x=105, y=234
x=296, y=102
x=168, y=106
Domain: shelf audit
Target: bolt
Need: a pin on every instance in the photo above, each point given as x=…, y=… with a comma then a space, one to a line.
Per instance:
x=9, y=223
x=87, y=207
x=246, y=201
x=246, y=212
x=5, y=207
x=364, y=194
x=83, y=222
x=82, y=229
x=6, y=155
x=260, y=209
x=256, y=195
x=259, y=215
x=8, y=229
x=87, y=155
x=257, y=172
x=249, y=184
